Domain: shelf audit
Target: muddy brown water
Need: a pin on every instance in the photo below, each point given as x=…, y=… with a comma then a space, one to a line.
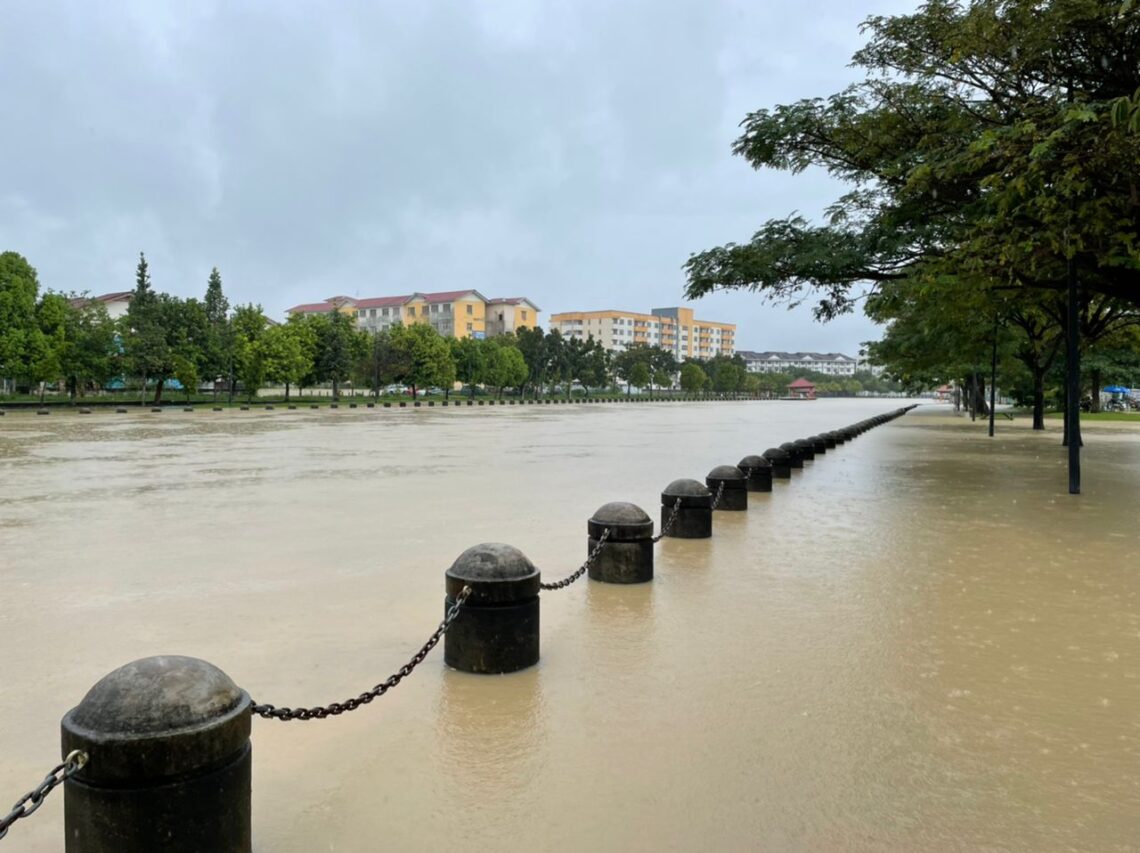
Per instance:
x=919, y=643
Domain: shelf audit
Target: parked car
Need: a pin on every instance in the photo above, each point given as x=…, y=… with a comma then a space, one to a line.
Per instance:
x=396, y=389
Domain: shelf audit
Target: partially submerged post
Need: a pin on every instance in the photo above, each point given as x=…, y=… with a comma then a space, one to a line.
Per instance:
x=693, y=518
x=169, y=768
x=627, y=556
x=496, y=630
x=730, y=484
x=757, y=472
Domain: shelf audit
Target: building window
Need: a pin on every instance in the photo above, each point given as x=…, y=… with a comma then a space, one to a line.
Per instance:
x=412, y=311
x=470, y=311
x=524, y=316
x=469, y=325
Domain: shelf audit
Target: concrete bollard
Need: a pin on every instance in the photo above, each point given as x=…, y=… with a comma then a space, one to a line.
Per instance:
x=806, y=448
x=818, y=444
x=496, y=630
x=795, y=454
x=829, y=439
x=781, y=462
x=627, y=556
x=694, y=518
x=169, y=769
x=757, y=473
x=734, y=496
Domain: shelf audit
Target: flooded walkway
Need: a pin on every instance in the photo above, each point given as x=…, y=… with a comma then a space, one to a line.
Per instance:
x=919, y=643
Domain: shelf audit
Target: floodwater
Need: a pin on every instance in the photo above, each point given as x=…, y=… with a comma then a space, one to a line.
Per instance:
x=920, y=643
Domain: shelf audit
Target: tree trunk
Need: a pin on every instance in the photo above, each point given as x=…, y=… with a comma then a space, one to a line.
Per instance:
x=981, y=407
x=1039, y=399
x=158, y=390
x=286, y=392
x=1094, y=375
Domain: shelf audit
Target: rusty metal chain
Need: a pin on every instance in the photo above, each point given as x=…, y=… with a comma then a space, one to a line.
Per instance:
x=669, y=524
x=565, y=582
x=272, y=712
x=32, y=800
x=719, y=495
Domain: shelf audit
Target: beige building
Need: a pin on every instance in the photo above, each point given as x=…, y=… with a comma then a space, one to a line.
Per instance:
x=452, y=313
x=673, y=329
x=115, y=303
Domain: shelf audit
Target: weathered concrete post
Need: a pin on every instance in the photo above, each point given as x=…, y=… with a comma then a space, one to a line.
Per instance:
x=169, y=768
x=497, y=628
x=627, y=556
x=828, y=439
x=795, y=453
x=757, y=472
x=781, y=462
x=694, y=517
x=806, y=448
x=734, y=495
x=818, y=444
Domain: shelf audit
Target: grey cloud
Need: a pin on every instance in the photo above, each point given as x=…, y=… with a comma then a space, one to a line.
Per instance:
x=574, y=152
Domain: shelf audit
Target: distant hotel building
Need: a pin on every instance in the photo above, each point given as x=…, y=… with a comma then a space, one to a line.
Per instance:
x=831, y=363
x=452, y=313
x=673, y=329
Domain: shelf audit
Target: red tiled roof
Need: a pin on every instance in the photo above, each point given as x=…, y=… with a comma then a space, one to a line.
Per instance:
x=312, y=308
x=448, y=295
x=512, y=300
x=380, y=301
x=801, y=383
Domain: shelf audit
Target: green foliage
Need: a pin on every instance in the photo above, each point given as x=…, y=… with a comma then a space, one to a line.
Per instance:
x=423, y=356
x=693, y=379
x=990, y=139
x=19, y=289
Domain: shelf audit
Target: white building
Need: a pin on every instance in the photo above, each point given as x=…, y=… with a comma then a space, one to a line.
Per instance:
x=829, y=363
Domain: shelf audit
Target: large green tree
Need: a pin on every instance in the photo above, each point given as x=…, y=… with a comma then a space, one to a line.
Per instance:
x=424, y=356
x=19, y=290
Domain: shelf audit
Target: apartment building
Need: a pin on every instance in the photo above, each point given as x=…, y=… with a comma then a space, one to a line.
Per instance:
x=452, y=313
x=673, y=329
x=831, y=363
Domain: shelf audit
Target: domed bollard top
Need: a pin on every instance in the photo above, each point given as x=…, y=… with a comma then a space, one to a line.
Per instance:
x=694, y=515
x=170, y=761
x=806, y=448
x=818, y=444
x=496, y=630
x=757, y=472
x=829, y=439
x=627, y=555
x=781, y=462
x=734, y=495
x=795, y=453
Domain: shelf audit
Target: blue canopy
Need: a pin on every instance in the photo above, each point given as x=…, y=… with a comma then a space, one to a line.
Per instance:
x=1115, y=389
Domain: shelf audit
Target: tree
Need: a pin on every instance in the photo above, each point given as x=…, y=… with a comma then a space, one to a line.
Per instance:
x=424, y=356
x=634, y=365
x=506, y=366
x=338, y=347
x=19, y=289
x=145, y=349
x=470, y=359
x=249, y=326
x=286, y=354
x=90, y=358
x=693, y=379
x=217, y=356
x=532, y=345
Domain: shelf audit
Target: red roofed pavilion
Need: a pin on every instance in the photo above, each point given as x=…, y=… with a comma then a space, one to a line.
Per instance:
x=802, y=389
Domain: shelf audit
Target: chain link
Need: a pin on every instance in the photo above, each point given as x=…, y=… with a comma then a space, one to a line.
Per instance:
x=565, y=582
x=272, y=712
x=719, y=495
x=32, y=800
x=669, y=524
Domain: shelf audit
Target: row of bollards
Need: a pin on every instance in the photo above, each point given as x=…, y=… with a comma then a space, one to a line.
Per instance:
x=535, y=401
x=166, y=739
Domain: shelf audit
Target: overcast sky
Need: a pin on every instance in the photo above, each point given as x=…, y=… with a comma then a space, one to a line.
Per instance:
x=572, y=152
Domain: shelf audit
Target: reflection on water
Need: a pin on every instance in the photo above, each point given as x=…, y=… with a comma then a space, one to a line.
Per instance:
x=919, y=643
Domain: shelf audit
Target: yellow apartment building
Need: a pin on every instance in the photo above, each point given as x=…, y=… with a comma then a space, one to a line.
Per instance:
x=453, y=313
x=673, y=329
